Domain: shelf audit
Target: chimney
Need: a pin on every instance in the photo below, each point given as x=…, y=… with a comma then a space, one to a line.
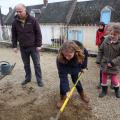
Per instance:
x=45, y=2
x=10, y=9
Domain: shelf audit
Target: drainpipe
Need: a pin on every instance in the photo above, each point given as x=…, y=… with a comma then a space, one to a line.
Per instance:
x=70, y=13
x=1, y=21
x=67, y=32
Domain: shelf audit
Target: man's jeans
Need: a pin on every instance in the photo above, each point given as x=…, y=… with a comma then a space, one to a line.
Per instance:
x=25, y=54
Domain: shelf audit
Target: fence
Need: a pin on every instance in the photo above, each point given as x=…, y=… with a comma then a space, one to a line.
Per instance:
x=5, y=33
x=56, y=43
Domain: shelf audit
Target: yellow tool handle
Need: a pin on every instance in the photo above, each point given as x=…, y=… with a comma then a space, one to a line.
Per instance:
x=64, y=104
x=70, y=94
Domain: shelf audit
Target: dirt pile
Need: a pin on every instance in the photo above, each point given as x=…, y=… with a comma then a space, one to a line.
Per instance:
x=23, y=103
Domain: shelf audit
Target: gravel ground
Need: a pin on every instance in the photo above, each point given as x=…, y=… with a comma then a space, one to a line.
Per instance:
x=34, y=103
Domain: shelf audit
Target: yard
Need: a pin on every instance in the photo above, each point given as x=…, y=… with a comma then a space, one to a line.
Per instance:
x=34, y=103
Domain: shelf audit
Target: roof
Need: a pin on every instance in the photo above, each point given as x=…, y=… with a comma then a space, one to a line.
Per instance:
x=88, y=12
x=53, y=13
x=85, y=12
x=9, y=18
x=3, y=16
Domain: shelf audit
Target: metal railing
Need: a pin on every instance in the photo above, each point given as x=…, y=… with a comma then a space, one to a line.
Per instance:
x=56, y=43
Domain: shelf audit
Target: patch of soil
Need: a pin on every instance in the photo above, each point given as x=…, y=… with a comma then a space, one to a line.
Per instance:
x=25, y=105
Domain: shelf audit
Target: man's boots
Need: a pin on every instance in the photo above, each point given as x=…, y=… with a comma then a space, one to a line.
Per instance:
x=104, y=91
x=84, y=97
x=117, y=92
x=61, y=101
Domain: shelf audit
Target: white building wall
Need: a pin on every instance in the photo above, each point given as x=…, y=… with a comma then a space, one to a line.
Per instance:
x=1, y=33
x=46, y=34
x=49, y=32
x=89, y=36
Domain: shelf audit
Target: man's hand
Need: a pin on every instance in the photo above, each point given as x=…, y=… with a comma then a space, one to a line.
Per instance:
x=38, y=48
x=15, y=50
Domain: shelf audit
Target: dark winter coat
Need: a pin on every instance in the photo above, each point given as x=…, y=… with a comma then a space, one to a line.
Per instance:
x=28, y=35
x=72, y=67
x=109, y=53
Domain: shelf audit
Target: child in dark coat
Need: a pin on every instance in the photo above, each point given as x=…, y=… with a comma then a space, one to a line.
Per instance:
x=70, y=60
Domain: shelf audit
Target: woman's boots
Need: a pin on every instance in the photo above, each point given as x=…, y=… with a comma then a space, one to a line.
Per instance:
x=61, y=101
x=84, y=97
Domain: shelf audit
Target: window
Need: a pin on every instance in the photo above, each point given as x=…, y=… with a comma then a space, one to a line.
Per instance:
x=75, y=35
x=106, y=15
x=35, y=12
x=80, y=36
x=70, y=35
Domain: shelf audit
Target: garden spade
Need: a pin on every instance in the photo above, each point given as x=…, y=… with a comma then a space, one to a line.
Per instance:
x=67, y=99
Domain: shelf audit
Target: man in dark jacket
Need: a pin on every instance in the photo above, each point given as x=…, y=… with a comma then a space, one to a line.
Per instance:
x=26, y=31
